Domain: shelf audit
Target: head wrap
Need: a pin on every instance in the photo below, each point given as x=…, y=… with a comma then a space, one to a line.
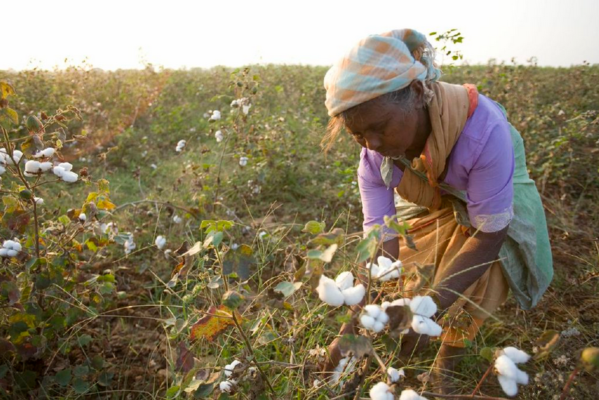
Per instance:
x=377, y=65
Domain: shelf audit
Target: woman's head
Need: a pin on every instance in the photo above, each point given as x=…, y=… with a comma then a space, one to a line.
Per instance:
x=383, y=77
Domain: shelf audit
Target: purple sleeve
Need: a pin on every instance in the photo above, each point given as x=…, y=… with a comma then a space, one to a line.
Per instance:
x=377, y=200
x=490, y=182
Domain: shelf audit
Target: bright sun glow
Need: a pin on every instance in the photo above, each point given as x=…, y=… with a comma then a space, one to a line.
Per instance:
x=177, y=34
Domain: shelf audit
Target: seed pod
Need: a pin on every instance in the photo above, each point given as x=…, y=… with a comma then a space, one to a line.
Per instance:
x=590, y=358
x=25, y=194
x=34, y=125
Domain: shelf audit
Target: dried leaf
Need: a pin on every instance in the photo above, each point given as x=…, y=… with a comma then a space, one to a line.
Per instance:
x=400, y=318
x=210, y=326
x=184, y=359
x=359, y=346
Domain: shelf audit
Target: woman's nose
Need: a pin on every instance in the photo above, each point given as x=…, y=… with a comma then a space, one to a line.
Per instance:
x=372, y=142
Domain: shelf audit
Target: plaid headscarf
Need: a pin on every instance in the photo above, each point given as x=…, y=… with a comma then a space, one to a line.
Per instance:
x=377, y=65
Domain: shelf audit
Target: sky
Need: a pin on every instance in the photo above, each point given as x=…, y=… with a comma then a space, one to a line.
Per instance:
x=186, y=34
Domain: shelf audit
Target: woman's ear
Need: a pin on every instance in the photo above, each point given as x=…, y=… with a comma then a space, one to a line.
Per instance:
x=418, y=89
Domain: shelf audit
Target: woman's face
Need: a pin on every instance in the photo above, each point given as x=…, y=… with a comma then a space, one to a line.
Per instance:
x=382, y=127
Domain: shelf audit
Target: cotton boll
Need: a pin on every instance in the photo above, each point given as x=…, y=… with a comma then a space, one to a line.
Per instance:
x=394, y=374
x=49, y=152
x=433, y=328
x=383, y=317
x=38, y=200
x=345, y=280
x=219, y=136
x=12, y=253
x=378, y=326
x=231, y=367
x=32, y=166
x=16, y=154
x=423, y=305
x=66, y=166
x=374, y=269
x=215, y=115
x=517, y=356
x=69, y=176
x=367, y=321
x=506, y=367
x=58, y=170
x=508, y=385
x=4, y=252
x=401, y=302
x=177, y=219
x=380, y=391
x=419, y=325
x=329, y=293
x=160, y=242
x=243, y=161
x=354, y=295
x=246, y=109
x=373, y=310
x=14, y=245
x=522, y=377
x=384, y=262
x=82, y=217
x=225, y=386
x=46, y=166
x=409, y=394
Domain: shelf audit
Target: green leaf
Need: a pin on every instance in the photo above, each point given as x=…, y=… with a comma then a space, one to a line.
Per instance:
x=232, y=299
x=314, y=227
x=8, y=117
x=84, y=340
x=81, y=370
x=63, y=377
x=487, y=353
x=239, y=261
x=63, y=219
x=326, y=255
x=214, y=238
x=80, y=386
x=105, y=378
x=336, y=236
x=173, y=392
x=287, y=288
x=203, y=391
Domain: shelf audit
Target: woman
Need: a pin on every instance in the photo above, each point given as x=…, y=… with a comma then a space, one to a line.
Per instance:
x=460, y=170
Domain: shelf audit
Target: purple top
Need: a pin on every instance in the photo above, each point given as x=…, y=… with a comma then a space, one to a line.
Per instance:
x=481, y=164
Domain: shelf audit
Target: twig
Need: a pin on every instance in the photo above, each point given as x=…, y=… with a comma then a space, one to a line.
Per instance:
x=480, y=383
x=249, y=347
x=567, y=386
x=460, y=396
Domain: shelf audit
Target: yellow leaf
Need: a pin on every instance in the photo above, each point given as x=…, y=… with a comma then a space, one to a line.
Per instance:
x=6, y=89
x=105, y=205
x=213, y=324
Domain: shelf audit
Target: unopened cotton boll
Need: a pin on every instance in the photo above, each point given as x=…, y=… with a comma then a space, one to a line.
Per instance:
x=423, y=305
x=381, y=391
x=219, y=136
x=160, y=242
x=516, y=355
x=329, y=292
x=243, y=161
x=409, y=394
x=394, y=374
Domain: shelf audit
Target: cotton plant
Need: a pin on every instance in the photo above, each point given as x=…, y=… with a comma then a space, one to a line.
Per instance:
x=381, y=391
x=63, y=171
x=410, y=394
x=215, y=116
x=374, y=318
x=160, y=242
x=385, y=269
x=129, y=244
x=346, y=366
x=180, y=145
x=341, y=290
x=508, y=374
x=10, y=248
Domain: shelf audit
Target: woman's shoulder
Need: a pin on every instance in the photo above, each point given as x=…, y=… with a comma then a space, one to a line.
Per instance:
x=486, y=117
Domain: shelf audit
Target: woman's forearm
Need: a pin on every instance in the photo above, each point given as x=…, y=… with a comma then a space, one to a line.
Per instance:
x=472, y=262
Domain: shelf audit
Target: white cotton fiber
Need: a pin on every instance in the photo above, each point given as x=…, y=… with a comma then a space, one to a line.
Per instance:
x=517, y=356
x=409, y=394
x=380, y=391
x=329, y=292
x=522, y=377
x=401, y=302
x=66, y=166
x=69, y=176
x=378, y=326
x=423, y=305
x=385, y=305
x=425, y=326
x=345, y=280
x=373, y=310
x=367, y=321
x=506, y=367
x=394, y=374
x=383, y=317
x=46, y=166
x=374, y=269
x=508, y=385
x=354, y=295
